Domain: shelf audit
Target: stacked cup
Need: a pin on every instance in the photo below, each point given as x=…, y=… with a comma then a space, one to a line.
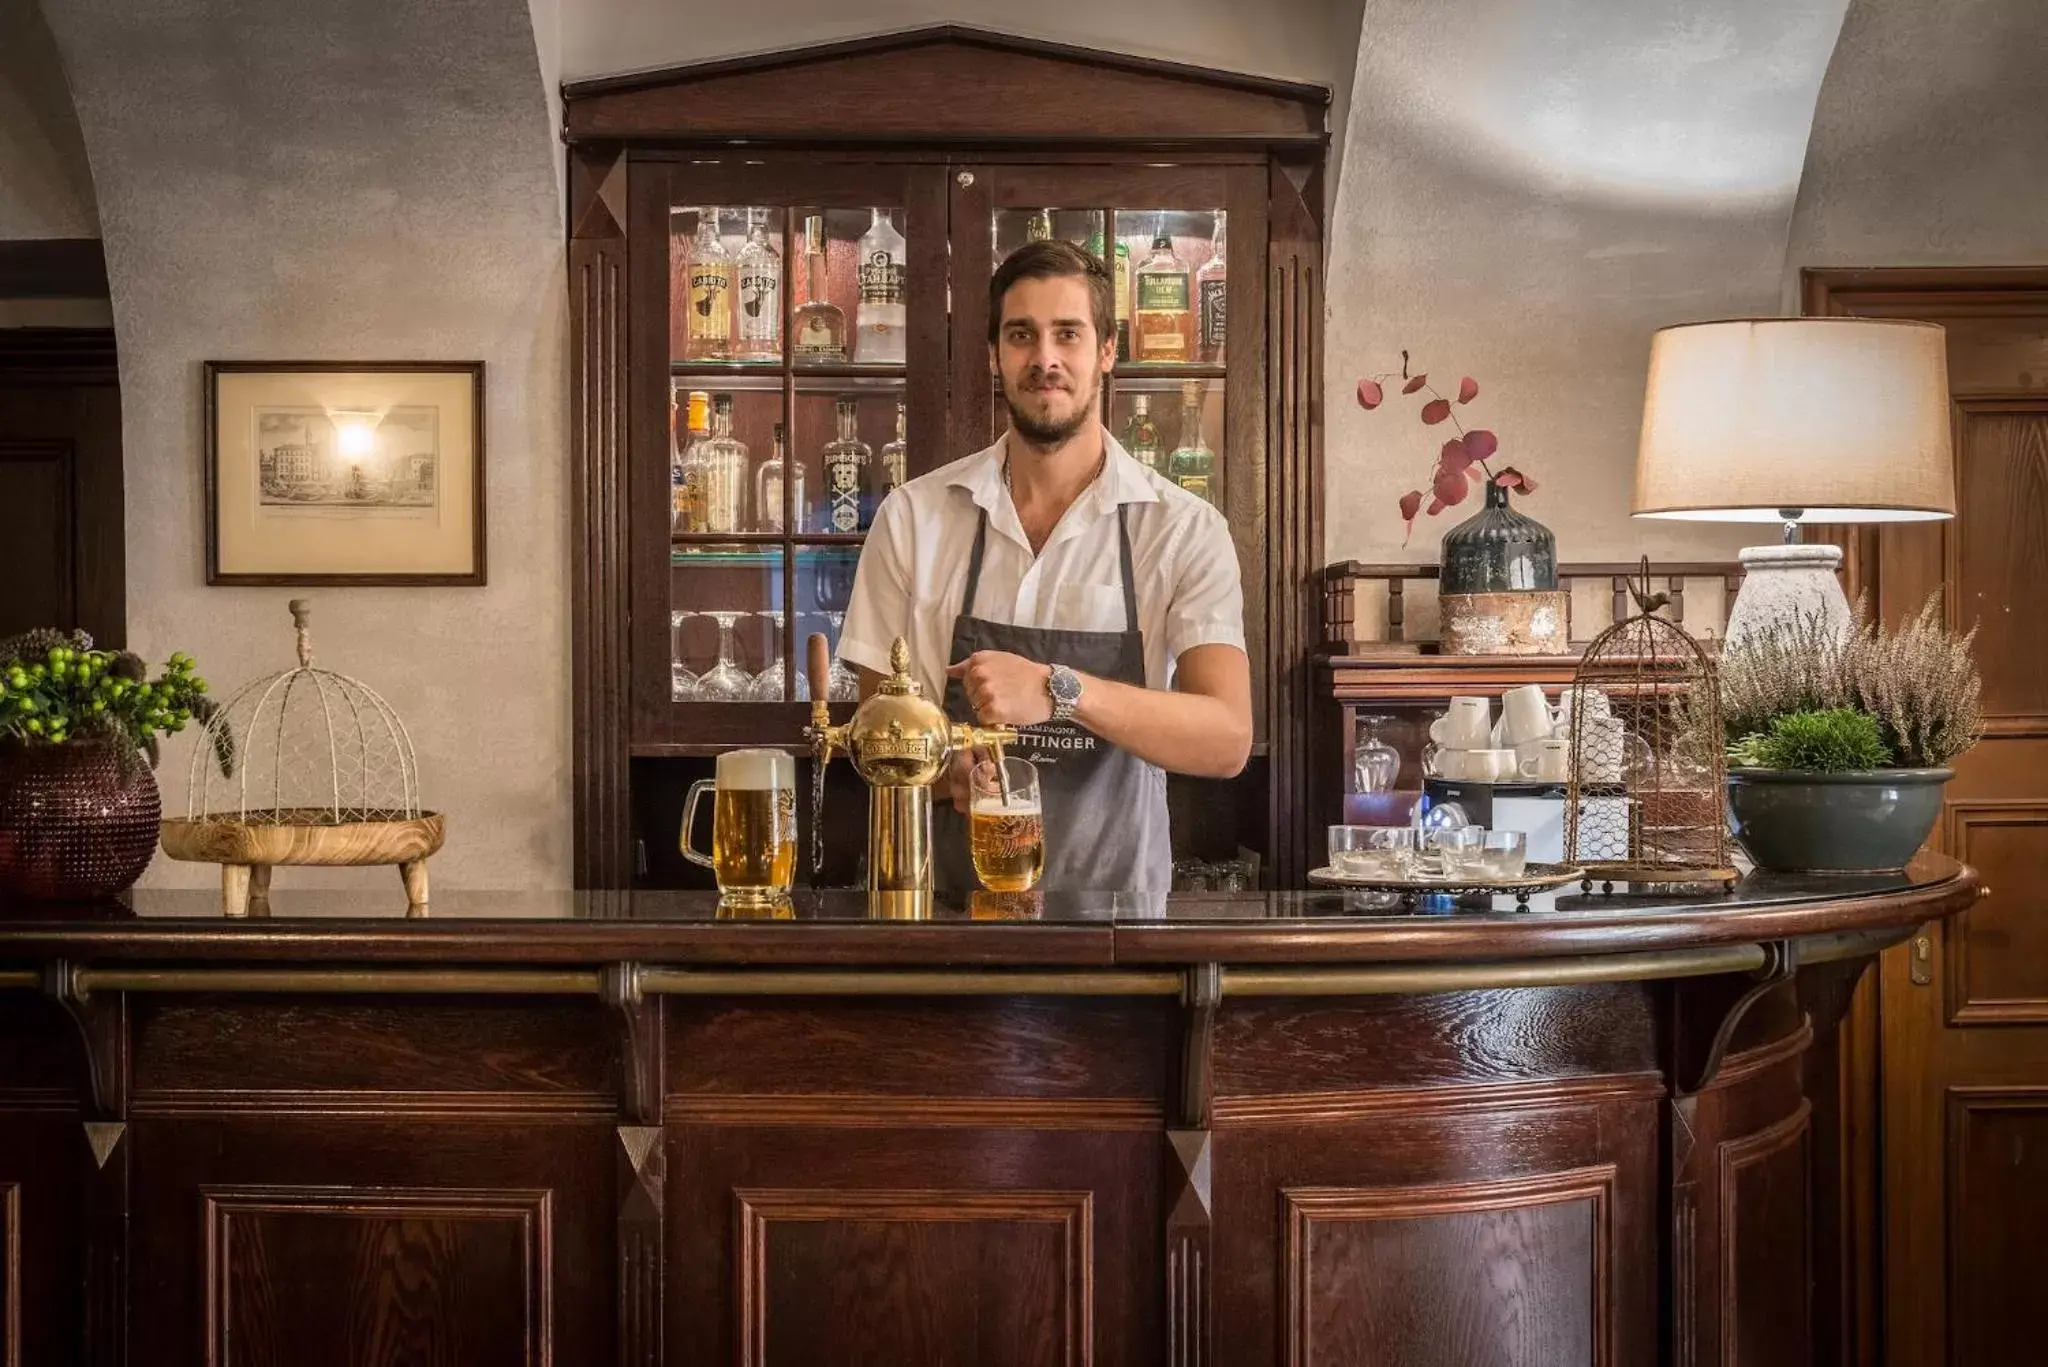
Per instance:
x=1541, y=744
x=1463, y=746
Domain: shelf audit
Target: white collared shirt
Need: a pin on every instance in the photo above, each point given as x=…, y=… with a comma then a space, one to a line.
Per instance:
x=913, y=567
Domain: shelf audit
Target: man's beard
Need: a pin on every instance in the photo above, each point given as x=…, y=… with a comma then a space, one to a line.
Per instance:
x=1047, y=435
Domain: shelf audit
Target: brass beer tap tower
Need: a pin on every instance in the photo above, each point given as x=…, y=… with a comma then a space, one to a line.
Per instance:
x=899, y=741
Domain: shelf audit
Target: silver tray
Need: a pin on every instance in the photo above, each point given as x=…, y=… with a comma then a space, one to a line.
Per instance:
x=1533, y=879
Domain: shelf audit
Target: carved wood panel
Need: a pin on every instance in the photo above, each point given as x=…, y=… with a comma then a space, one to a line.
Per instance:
x=1997, y=1140
x=440, y=1278
x=1766, y=1205
x=1997, y=556
x=10, y=1274
x=1359, y=1262
x=987, y=1277
x=1996, y=953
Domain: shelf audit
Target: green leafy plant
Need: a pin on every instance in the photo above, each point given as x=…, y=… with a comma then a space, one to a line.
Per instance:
x=55, y=689
x=1839, y=740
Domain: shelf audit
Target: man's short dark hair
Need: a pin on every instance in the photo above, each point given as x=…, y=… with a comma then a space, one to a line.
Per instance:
x=1049, y=260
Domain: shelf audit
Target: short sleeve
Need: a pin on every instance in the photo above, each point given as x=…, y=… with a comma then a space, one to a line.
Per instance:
x=1206, y=606
x=879, y=610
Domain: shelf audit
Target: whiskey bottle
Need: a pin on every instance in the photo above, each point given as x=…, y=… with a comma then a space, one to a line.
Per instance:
x=895, y=463
x=1211, y=294
x=879, y=321
x=726, y=468
x=819, y=326
x=1162, y=324
x=1192, y=465
x=768, y=488
x=1039, y=227
x=760, y=297
x=710, y=272
x=689, y=515
x=1141, y=436
x=846, y=471
x=1121, y=275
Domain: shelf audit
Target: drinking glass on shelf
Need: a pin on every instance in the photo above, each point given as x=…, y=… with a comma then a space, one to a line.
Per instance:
x=682, y=682
x=1463, y=850
x=1374, y=851
x=843, y=683
x=767, y=685
x=1504, y=854
x=725, y=681
x=1376, y=764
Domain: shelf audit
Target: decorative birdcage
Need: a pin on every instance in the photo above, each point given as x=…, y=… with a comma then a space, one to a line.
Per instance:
x=304, y=767
x=1643, y=802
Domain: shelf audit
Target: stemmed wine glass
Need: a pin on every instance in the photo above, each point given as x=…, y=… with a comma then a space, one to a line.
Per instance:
x=682, y=683
x=1376, y=765
x=843, y=685
x=725, y=681
x=767, y=685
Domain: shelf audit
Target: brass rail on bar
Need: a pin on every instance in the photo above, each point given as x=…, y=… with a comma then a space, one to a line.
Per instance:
x=1397, y=979
x=869, y=982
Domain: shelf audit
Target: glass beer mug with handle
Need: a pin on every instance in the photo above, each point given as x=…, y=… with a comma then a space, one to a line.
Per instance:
x=753, y=826
x=1006, y=824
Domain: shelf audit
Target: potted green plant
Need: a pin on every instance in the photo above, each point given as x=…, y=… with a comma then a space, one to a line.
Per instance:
x=79, y=728
x=1840, y=744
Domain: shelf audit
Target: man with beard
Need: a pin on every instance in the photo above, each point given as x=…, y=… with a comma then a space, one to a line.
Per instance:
x=1053, y=582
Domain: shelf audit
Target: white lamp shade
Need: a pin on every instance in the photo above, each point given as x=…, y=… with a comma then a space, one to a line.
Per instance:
x=1842, y=419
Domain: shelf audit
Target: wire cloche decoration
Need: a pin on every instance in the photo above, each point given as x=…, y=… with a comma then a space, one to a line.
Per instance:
x=1643, y=802
x=304, y=767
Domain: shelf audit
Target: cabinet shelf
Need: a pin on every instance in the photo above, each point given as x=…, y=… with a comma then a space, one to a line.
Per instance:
x=759, y=371
x=1127, y=371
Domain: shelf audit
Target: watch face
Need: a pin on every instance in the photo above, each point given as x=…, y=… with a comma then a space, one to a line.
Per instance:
x=1065, y=686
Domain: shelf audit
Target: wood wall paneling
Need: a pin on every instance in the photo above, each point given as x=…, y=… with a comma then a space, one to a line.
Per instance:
x=441, y=1278
x=1766, y=1208
x=1996, y=953
x=1997, y=1141
x=1998, y=557
x=10, y=1274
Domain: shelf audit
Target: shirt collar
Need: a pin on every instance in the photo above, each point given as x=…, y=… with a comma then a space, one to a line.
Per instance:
x=1123, y=478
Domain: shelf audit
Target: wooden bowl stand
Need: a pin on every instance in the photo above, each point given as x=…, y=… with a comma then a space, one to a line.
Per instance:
x=247, y=852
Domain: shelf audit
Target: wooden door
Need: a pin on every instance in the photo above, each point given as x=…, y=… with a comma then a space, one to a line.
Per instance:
x=61, y=555
x=1964, y=1006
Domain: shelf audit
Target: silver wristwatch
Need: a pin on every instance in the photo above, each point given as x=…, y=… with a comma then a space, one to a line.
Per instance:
x=1063, y=686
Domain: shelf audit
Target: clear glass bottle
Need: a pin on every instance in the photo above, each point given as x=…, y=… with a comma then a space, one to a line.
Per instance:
x=1211, y=295
x=1162, y=323
x=768, y=488
x=709, y=270
x=759, y=331
x=1192, y=465
x=846, y=471
x=678, y=506
x=818, y=328
x=691, y=516
x=895, y=461
x=879, y=321
x=726, y=469
x=1141, y=435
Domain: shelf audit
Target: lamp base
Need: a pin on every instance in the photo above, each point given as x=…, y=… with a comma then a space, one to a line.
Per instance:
x=1784, y=585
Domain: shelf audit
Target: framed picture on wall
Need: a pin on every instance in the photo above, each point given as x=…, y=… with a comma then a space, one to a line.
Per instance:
x=344, y=472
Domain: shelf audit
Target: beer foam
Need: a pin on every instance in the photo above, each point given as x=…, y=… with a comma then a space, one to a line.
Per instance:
x=753, y=771
x=995, y=806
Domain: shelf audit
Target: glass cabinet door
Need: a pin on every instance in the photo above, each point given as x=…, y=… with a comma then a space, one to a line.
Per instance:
x=803, y=299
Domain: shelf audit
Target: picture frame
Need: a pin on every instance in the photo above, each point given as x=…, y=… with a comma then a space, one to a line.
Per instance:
x=345, y=473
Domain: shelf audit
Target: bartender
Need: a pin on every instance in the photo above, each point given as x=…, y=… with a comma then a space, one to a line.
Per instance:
x=1052, y=582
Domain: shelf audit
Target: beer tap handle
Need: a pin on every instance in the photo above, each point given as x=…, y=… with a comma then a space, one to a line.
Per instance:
x=818, y=666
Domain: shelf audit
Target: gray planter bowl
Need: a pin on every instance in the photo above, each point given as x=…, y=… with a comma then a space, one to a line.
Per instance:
x=1871, y=821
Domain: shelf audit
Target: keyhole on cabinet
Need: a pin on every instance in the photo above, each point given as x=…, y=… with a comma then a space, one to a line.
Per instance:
x=964, y=179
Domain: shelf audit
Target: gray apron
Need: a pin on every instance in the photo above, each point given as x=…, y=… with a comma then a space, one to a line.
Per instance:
x=1105, y=809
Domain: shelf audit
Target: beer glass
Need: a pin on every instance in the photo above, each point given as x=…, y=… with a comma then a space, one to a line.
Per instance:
x=753, y=826
x=1005, y=824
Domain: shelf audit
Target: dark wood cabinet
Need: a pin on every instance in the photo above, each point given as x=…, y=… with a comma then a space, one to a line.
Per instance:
x=967, y=143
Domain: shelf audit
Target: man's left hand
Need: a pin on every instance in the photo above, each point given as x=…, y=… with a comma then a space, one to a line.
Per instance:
x=1004, y=689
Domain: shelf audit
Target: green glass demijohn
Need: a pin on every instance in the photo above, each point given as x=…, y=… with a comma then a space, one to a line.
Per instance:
x=1498, y=550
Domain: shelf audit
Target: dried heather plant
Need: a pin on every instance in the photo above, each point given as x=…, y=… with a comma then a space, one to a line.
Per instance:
x=1921, y=685
x=1794, y=666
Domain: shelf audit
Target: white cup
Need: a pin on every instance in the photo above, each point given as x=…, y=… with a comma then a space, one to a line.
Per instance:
x=1547, y=758
x=1482, y=766
x=1468, y=725
x=1525, y=715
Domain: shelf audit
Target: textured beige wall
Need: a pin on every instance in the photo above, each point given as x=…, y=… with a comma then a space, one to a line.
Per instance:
x=45, y=186
x=360, y=180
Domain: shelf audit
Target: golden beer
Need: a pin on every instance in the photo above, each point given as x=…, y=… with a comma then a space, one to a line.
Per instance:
x=753, y=826
x=1007, y=841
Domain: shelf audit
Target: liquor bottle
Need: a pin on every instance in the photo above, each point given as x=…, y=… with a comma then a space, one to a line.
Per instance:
x=678, y=507
x=760, y=297
x=710, y=275
x=697, y=430
x=1121, y=274
x=819, y=327
x=726, y=469
x=768, y=488
x=1211, y=294
x=1141, y=436
x=879, y=321
x=1162, y=324
x=895, y=463
x=846, y=471
x=1192, y=465
x=1039, y=228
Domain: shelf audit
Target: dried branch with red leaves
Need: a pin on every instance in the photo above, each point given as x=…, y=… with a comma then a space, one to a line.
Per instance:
x=1452, y=478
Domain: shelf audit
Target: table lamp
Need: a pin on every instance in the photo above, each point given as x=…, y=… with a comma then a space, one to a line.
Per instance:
x=1791, y=420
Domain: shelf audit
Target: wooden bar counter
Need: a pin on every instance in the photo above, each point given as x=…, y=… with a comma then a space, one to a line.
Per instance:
x=536, y=1128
